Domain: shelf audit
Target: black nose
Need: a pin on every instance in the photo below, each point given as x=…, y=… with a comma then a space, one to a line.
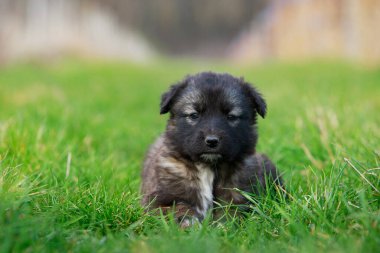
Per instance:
x=212, y=141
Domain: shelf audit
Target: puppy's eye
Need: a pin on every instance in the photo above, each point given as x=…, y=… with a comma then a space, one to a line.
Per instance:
x=193, y=116
x=232, y=117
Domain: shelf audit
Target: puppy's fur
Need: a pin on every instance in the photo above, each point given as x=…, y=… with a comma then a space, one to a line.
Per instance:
x=208, y=148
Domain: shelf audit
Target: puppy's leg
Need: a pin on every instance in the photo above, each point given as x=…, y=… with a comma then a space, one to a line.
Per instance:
x=256, y=175
x=183, y=214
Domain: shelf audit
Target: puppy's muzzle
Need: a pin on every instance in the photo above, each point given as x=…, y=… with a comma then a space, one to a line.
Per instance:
x=212, y=141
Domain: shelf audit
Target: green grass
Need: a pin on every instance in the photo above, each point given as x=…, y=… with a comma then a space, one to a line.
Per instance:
x=105, y=115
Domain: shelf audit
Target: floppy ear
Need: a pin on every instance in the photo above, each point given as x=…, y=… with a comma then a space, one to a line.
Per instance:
x=168, y=98
x=256, y=99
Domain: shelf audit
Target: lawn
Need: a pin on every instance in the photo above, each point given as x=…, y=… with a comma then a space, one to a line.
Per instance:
x=73, y=135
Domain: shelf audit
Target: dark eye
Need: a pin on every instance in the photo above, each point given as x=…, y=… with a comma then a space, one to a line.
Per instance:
x=231, y=117
x=193, y=116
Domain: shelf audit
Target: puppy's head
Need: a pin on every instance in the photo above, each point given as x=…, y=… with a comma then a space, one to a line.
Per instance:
x=212, y=117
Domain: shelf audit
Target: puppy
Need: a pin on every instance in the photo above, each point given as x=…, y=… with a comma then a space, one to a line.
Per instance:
x=208, y=148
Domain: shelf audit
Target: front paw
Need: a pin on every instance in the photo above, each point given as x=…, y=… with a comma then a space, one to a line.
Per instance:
x=187, y=221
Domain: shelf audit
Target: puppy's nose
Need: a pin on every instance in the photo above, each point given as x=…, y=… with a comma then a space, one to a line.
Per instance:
x=212, y=141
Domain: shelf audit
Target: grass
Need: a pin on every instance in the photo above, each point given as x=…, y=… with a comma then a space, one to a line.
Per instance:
x=73, y=135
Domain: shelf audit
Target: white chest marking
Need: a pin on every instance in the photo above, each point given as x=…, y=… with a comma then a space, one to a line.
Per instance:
x=205, y=183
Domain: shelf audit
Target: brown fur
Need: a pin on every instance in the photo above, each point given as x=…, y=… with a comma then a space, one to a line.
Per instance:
x=169, y=181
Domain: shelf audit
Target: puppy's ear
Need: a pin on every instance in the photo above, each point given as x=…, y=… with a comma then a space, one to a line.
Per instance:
x=256, y=99
x=168, y=98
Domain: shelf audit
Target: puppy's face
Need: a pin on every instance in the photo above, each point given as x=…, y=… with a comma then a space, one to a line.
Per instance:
x=212, y=117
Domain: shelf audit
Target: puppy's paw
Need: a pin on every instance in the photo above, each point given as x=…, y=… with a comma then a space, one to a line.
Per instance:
x=187, y=221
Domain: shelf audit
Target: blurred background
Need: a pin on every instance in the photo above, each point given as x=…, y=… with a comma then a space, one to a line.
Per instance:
x=246, y=31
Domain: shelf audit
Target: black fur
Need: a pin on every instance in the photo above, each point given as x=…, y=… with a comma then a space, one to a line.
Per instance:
x=212, y=130
x=213, y=109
